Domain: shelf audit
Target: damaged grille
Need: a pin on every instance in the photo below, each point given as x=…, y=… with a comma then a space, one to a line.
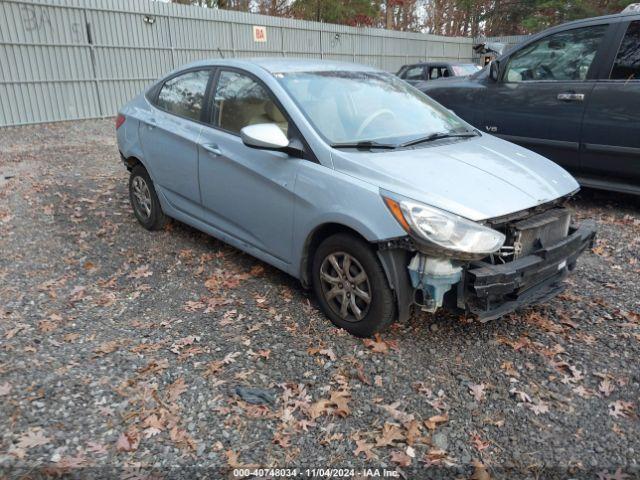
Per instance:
x=525, y=236
x=540, y=231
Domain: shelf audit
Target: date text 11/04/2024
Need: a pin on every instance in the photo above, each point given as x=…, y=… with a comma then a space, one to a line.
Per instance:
x=315, y=473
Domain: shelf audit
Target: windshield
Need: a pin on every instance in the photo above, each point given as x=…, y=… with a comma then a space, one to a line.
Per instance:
x=464, y=70
x=351, y=107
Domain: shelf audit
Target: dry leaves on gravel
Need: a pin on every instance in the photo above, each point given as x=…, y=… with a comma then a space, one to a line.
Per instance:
x=32, y=438
x=378, y=345
x=477, y=391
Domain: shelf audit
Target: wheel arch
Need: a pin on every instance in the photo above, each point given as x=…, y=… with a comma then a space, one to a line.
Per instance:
x=132, y=161
x=313, y=241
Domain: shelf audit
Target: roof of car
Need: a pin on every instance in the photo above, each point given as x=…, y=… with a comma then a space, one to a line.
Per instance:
x=614, y=16
x=284, y=65
x=437, y=63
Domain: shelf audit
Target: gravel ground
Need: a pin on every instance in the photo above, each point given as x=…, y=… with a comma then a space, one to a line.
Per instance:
x=130, y=354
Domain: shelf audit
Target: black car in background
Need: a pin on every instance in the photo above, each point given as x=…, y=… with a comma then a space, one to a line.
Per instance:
x=570, y=93
x=418, y=73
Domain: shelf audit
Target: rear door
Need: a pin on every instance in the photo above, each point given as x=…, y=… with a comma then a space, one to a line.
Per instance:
x=169, y=136
x=611, y=131
x=540, y=98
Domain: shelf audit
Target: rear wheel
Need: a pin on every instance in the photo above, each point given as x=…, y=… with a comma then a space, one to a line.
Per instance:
x=351, y=285
x=144, y=200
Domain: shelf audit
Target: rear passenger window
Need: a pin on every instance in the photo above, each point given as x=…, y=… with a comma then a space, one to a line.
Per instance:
x=240, y=101
x=184, y=95
x=437, y=72
x=627, y=64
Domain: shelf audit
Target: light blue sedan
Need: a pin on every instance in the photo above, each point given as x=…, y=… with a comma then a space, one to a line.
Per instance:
x=354, y=182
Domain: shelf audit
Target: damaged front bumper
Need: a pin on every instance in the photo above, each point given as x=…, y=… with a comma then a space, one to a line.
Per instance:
x=491, y=291
x=487, y=290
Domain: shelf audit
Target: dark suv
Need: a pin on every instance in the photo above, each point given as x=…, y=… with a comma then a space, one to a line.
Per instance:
x=570, y=93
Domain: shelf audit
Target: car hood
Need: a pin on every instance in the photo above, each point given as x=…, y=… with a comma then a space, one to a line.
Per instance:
x=477, y=178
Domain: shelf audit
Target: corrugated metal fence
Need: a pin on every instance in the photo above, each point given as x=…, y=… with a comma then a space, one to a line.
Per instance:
x=75, y=59
x=509, y=40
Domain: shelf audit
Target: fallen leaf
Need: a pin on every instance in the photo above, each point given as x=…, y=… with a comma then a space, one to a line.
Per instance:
x=106, y=348
x=399, y=415
x=176, y=389
x=234, y=462
x=479, y=471
x=400, y=458
x=620, y=408
x=181, y=438
x=323, y=351
x=583, y=392
x=340, y=399
x=538, y=407
x=479, y=443
x=509, y=369
x=520, y=395
x=5, y=388
x=477, y=391
x=97, y=448
x=281, y=439
x=378, y=345
x=141, y=272
x=183, y=342
x=32, y=438
x=413, y=432
x=128, y=441
x=367, y=448
x=433, y=422
x=390, y=434
x=230, y=358
x=606, y=387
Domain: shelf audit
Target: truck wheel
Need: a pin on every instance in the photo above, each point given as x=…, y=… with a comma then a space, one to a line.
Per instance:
x=351, y=286
x=143, y=198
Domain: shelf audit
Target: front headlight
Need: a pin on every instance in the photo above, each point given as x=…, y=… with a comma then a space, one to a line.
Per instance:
x=445, y=230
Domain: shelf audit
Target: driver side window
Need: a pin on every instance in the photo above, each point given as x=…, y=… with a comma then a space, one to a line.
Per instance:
x=562, y=56
x=240, y=101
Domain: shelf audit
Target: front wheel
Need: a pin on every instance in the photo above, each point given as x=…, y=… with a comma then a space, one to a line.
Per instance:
x=351, y=286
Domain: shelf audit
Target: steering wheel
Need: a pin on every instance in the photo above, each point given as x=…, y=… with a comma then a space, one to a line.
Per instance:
x=548, y=74
x=367, y=121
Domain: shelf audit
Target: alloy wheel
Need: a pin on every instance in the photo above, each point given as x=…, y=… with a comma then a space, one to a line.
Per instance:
x=345, y=286
x=142, y=196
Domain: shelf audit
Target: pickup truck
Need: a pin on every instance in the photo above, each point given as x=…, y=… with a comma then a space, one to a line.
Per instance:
x=570, y=93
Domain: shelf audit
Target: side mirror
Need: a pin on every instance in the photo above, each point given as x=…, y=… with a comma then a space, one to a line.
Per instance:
x=267, y=136
x=494, y=70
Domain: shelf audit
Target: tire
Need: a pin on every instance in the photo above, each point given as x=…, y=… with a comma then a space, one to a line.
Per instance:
x=144, y=200
x=331, y=289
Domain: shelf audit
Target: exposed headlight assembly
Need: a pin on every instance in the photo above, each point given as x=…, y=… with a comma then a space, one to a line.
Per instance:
x=451, y=234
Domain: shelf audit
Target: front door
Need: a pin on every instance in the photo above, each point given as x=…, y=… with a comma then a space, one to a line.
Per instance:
x=169, y=137
x=611, y=131
x=247, y=193
x=540, y=98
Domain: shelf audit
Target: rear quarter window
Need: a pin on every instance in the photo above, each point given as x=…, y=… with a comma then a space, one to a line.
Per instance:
x=184, y=95
x=627, y=63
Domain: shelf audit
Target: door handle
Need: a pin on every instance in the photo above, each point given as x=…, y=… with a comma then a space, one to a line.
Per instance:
x=571, y=97
x=212, y=148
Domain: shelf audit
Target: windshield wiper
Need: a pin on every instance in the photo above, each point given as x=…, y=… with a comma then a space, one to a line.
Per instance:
x=364, y=145
x=437, y=136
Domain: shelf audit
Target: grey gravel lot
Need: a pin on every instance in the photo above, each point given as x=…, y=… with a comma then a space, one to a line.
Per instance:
x=128, y=354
